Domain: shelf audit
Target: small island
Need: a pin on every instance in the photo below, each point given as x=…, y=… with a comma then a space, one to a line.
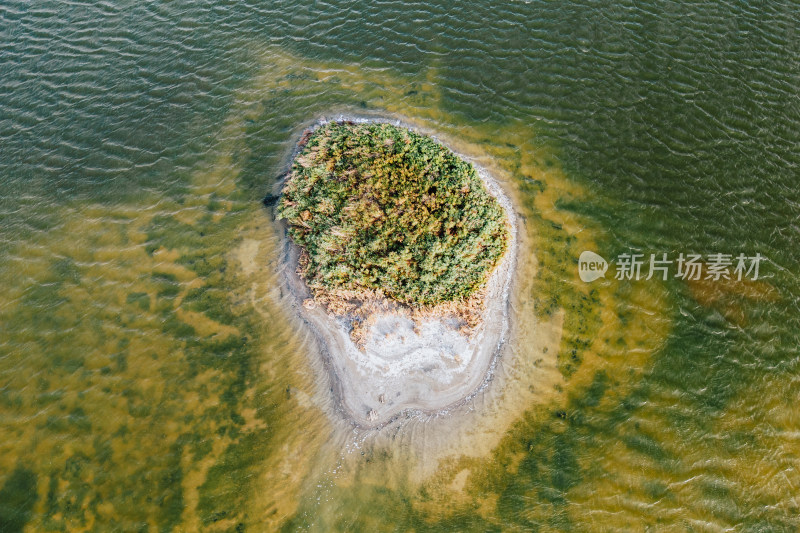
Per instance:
x=399, y=256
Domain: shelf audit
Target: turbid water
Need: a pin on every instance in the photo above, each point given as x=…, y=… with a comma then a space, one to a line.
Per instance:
x=153, y=378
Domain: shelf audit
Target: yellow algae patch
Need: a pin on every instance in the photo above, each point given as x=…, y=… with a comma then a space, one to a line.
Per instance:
x=168, y=256
x=459, y=481
x=293, y=454
x=205, y=326
x=628, y=336
x=113, y=369
x=196, y=470
x=714, y=481
x=763, y=480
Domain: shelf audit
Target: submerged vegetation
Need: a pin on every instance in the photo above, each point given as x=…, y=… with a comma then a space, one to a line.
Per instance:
x=377, y=207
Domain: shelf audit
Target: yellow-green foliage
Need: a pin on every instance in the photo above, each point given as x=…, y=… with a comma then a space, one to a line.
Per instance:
x=381, y=207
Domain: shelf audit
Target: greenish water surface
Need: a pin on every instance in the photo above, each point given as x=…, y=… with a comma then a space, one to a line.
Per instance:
x=152, y=377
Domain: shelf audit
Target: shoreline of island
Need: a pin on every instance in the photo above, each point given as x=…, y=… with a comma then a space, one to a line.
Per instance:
x=368, y=392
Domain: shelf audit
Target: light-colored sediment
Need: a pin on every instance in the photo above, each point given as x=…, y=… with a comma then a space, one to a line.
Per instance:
x=404, y=367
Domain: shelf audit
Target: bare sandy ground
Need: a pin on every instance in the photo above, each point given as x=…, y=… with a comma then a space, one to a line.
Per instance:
x=406, y=368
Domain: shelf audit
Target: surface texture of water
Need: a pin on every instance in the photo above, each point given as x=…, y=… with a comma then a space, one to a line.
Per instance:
x=152, y=377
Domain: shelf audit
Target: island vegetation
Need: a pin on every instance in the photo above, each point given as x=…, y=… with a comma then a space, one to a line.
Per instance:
x=379, y=210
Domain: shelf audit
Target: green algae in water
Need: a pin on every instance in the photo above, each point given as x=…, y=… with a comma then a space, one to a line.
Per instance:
x=17, y=498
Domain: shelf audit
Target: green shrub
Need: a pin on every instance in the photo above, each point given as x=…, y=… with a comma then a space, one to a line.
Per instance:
x=378, y=207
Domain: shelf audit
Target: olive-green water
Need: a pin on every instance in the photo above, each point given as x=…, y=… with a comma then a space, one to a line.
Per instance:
x=153, y=376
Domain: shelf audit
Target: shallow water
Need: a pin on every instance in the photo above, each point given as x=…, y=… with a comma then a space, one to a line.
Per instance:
x=153, y=376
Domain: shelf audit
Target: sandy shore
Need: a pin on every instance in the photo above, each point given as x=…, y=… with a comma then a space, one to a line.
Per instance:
x=403, y=369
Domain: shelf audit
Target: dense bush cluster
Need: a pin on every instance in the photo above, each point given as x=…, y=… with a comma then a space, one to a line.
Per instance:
x=379, y=207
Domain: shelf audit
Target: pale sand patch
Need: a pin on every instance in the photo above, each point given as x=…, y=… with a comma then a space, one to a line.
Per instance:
x=246, y=255
x=406, y=367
